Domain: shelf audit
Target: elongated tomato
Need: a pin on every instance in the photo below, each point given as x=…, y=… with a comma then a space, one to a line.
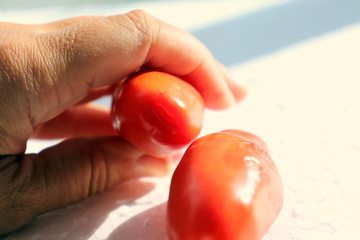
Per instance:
x=158, y=112
x=226, y=187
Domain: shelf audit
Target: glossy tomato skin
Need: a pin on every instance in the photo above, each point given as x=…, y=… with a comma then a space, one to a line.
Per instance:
x=158, y=112
x=226, y=187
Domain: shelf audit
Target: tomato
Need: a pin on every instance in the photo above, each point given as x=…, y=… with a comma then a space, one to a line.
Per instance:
x=226, y=187
x=158, y=112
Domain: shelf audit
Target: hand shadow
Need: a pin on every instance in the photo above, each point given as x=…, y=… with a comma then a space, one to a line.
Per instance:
x=80, y=221
x=148, y=225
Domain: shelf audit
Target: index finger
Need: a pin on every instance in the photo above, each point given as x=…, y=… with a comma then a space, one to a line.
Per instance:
x=178, y=52
x=118, y=45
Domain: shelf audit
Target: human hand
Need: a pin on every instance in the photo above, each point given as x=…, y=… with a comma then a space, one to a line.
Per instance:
x=49, y=73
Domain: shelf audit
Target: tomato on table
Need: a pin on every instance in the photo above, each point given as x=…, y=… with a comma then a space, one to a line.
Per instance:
x=158, y=112
x=226, y=187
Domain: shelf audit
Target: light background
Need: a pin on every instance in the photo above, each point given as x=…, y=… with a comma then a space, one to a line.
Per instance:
x=301, y=60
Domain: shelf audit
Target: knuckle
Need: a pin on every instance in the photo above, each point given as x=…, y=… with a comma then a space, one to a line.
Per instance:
x=102, y=171
x=96, y=162
x=144, y=24
x=139, y=18
x=90, y=167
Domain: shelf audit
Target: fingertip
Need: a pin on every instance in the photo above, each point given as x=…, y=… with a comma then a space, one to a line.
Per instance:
x=238, y=88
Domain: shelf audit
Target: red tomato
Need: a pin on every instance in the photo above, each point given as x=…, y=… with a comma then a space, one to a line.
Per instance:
x=158, y=112
x=226, y=187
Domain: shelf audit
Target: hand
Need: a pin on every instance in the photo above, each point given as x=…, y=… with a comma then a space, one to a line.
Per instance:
x=49, y=74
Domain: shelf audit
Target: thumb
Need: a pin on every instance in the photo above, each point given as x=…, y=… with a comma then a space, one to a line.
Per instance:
x=67, y=173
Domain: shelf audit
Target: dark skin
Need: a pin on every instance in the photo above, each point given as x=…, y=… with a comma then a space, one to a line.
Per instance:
x=50, y=73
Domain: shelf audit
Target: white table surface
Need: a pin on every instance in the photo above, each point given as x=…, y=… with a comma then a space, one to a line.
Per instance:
x=303, y=101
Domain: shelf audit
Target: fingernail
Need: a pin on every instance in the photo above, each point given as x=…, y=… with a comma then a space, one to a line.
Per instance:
x=148, y=166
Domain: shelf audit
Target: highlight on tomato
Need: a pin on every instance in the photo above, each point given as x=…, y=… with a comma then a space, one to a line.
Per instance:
x=158, y=112
x=226, y=187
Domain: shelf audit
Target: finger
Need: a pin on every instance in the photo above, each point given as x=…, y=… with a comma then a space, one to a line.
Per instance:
x=212, y=85
x=84, y=120
x=102, y=51
x=196, y=65
x=68, y=173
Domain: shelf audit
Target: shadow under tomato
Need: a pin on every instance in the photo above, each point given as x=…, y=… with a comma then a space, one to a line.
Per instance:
x=80, y=221
x=148, y=225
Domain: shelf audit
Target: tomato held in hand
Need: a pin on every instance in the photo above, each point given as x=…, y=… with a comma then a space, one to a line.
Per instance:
x=226, y=187
x=158, y=112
